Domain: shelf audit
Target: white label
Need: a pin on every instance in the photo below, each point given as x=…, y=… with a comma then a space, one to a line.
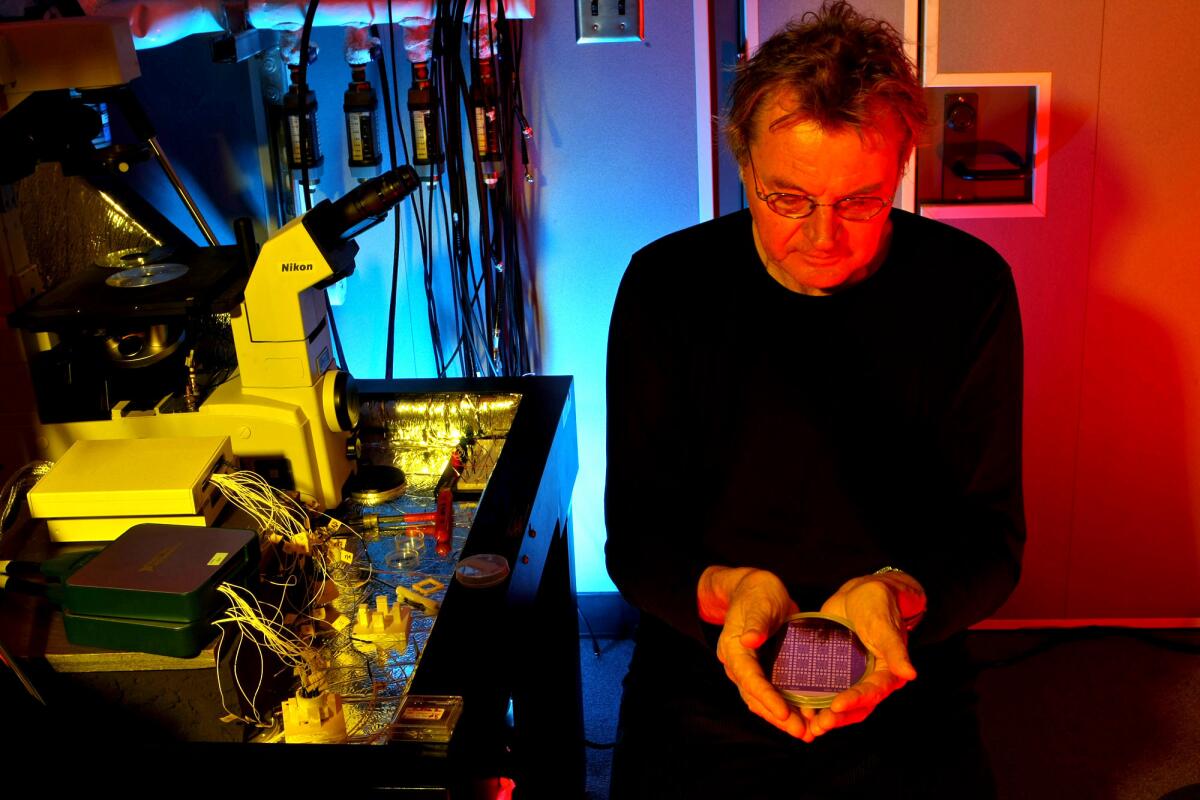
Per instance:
x=420, y=135
x=355, y=137
x=313, y=144
x=480, y=130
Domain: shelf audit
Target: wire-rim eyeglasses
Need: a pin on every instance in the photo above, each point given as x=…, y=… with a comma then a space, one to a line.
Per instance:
x=854, y=208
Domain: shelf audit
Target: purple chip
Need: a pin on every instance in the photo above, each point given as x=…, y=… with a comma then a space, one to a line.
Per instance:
x=818, y=655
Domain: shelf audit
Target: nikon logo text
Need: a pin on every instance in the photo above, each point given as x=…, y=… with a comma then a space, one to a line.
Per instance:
x=292, y=266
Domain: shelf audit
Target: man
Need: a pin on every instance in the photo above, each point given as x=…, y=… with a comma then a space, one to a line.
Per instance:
x=814, y=404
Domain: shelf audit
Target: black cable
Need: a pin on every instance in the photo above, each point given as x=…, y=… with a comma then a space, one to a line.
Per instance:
x=491, y=227
x=446, y=230
x=509, y=297
x=385, y=90
x=446, y=49
x=597, y=652
x=497, y=196
x=390, y=355
x=515, y=42
x=430, y=298
x=396, y=75
x=302, y=79
x=427, y=223
x=483, y=256
x=302, y=89
x=395, y=104
x=591, y=633
x=469, y=286
x=456, y=174
x=333, y=332
x=393, y=108
x=599, y=745
x=479, y=139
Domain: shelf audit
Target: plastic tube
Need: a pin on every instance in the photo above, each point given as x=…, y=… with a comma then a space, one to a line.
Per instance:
x=158, y=22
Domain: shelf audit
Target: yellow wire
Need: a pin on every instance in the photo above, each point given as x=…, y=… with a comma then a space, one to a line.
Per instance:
x=271, y=630
x=271, y=509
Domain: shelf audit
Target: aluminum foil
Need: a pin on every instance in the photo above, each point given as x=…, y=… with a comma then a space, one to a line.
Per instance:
x=98, y=226
x=418, y=433
x=373, y=680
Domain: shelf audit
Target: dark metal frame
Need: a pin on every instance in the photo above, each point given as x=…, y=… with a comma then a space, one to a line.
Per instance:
x=510, y=651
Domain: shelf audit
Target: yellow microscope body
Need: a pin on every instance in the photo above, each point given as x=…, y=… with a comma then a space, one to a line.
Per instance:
x=288, y=405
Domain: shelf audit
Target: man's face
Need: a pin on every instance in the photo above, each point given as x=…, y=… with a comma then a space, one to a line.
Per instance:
x=823, y=252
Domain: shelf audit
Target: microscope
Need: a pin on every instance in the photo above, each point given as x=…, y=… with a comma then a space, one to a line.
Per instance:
x=108, y=350
x=287, y=382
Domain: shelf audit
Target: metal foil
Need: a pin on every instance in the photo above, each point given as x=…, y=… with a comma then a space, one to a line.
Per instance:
x=373, y=683
x=97, y=226
x=419, y=433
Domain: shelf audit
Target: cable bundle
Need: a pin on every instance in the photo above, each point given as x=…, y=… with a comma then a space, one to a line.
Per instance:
x=468, y=224
x=274, y=511
x=474, y=69
x=263, y=630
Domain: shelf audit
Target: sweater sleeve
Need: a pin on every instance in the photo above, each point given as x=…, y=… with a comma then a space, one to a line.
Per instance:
x=970, y=567
x=647, y=551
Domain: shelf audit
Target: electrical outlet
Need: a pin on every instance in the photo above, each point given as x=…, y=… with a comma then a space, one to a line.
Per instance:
x=601, y=21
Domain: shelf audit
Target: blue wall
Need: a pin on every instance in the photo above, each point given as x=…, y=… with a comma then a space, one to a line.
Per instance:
x=615, y=128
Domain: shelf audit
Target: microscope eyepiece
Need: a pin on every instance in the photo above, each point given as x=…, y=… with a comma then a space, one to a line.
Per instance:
x=362, y=207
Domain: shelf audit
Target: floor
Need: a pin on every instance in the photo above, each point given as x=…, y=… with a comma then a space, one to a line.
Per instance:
x=603, y=663
x=1092, y=714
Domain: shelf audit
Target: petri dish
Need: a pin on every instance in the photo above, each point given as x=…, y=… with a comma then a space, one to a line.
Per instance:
x=814, y=657
x=481, y=571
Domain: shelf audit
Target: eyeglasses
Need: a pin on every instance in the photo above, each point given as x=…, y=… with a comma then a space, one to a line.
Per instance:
x=799, y=206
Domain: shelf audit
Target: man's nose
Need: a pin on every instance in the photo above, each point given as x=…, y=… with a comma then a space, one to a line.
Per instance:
x=821, y=227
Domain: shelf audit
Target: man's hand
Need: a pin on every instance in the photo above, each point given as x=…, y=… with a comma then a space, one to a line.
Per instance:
x=751, y=604
x=876, y=605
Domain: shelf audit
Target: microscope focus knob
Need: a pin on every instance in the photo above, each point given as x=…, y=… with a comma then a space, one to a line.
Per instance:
x=354, y=448
x=339, y=400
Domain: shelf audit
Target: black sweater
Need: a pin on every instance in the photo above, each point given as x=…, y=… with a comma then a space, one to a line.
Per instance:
x=818, y=437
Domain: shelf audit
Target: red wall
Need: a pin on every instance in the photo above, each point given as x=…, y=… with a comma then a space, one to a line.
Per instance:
x=1110, y=292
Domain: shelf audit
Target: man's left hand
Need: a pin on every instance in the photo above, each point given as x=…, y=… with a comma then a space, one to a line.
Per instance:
x=873, y=604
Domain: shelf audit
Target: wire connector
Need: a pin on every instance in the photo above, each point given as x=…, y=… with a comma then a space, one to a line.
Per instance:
x=407, y=595
x=384, y=628
x=314, y=720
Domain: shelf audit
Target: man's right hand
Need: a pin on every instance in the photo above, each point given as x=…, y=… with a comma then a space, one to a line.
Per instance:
x=750, y=604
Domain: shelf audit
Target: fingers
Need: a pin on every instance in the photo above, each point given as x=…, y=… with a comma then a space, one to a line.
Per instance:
x=872, y=608
x=867, y=693
x=757, y=627
x=753, y=604
x=742, y=667
x=793, y=725
x=884, y=639
x=757, y=607
x=759, y=603
x=827, y=720
x=856, y=703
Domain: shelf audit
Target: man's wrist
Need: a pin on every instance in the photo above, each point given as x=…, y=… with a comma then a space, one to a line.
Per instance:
x=713, y=590
x=915, y=612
